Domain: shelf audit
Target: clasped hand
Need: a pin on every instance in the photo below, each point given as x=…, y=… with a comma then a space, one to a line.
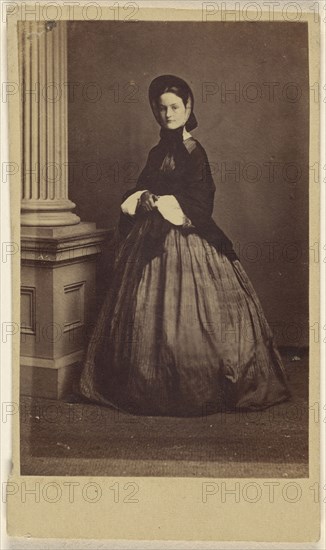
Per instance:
x=147, y=201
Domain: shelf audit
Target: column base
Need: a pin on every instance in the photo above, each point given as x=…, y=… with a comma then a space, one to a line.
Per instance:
x=48, y=213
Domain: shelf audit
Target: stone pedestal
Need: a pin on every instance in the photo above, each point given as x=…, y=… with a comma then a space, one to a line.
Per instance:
x=58, y=299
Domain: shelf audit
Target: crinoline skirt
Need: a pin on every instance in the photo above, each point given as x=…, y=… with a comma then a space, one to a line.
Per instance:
x=182, y=335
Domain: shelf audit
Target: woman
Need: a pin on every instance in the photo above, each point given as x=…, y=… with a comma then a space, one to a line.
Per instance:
x=182, y=331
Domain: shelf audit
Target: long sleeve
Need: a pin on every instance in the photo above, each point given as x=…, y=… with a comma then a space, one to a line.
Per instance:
x=148, y=175
x=129, y=205
x=197, y=196
x=145, y=179
x=170, y=209
x=130, y=199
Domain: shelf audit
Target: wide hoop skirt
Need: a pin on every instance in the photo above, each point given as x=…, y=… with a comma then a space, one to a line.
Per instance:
x=182, y=335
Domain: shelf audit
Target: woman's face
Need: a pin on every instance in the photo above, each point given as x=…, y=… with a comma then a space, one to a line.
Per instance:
x=172, y=111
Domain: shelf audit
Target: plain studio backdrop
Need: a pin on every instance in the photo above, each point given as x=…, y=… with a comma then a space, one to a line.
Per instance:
x=251, y=89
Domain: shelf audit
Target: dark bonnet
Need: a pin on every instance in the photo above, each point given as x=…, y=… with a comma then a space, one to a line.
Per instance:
x=174, y=84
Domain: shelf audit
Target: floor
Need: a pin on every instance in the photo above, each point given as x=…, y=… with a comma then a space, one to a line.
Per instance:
x=67, y=438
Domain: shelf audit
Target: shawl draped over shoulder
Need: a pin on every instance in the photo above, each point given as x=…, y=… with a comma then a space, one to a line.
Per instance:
x=192, y=184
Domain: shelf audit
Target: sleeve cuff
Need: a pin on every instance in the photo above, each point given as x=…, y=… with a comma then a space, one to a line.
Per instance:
x=170, y=209
x=129, y=206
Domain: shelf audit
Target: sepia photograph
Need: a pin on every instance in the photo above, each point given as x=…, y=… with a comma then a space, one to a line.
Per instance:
x=166, y=172
x=165, y=316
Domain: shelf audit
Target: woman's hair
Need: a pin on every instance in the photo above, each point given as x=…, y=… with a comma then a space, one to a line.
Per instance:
x=179, y=91
x=170, y=83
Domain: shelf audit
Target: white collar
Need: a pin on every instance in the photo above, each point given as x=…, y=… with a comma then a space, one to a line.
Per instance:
x=186, y=134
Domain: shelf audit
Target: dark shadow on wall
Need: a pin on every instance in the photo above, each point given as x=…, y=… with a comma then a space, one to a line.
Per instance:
x=251, y=88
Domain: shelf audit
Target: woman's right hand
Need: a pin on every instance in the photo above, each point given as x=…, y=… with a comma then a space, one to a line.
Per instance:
x=147, y=201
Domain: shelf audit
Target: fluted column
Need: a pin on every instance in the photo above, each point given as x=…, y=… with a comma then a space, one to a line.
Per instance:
x=43, y=74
